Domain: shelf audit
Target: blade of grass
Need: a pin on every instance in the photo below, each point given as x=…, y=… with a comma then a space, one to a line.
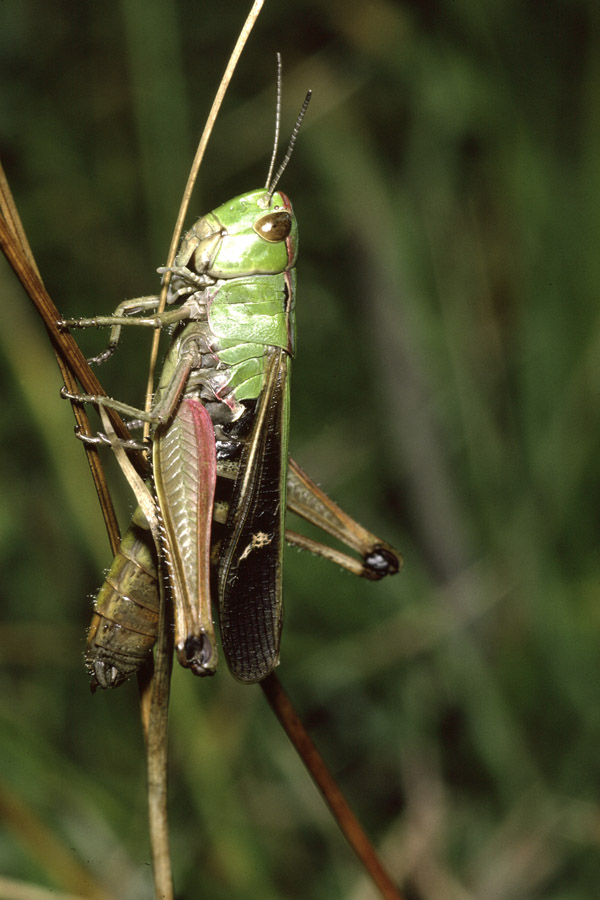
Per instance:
x=326, y=783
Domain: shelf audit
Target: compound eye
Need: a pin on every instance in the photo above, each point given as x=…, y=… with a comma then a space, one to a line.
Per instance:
x=274, y=227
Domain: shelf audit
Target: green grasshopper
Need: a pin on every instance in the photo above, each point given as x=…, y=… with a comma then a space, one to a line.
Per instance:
x=221, y=472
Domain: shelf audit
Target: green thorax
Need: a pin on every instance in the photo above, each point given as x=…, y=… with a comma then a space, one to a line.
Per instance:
x=246, y=251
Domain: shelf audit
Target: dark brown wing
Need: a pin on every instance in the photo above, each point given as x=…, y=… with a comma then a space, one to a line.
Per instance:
x=250, y=559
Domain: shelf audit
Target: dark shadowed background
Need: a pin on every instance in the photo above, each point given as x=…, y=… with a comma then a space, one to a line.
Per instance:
x=447, y=185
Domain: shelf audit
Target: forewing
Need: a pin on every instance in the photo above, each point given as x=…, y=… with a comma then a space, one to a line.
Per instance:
x=250, y=560
x=184, y=474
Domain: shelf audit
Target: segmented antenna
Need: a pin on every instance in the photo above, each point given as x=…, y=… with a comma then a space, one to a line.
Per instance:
x=277, y=122
x=270, y=186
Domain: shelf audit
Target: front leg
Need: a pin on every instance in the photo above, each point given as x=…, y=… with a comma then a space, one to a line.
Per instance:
x=121, y=314
x=124, y=315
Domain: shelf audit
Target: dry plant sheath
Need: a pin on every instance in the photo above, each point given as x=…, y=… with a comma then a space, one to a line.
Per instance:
x=211, y=519
x=73, y=365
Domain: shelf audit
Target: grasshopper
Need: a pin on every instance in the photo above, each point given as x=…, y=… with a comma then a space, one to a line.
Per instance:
x=222, y=477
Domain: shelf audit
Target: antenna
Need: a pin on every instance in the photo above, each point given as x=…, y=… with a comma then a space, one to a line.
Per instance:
x=270, y=186
x=277, y=121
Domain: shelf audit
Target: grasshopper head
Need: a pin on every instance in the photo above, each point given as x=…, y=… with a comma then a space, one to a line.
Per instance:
x=254, y=234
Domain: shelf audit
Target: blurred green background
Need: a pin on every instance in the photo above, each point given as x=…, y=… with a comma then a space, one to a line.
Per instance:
x=447, y=183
